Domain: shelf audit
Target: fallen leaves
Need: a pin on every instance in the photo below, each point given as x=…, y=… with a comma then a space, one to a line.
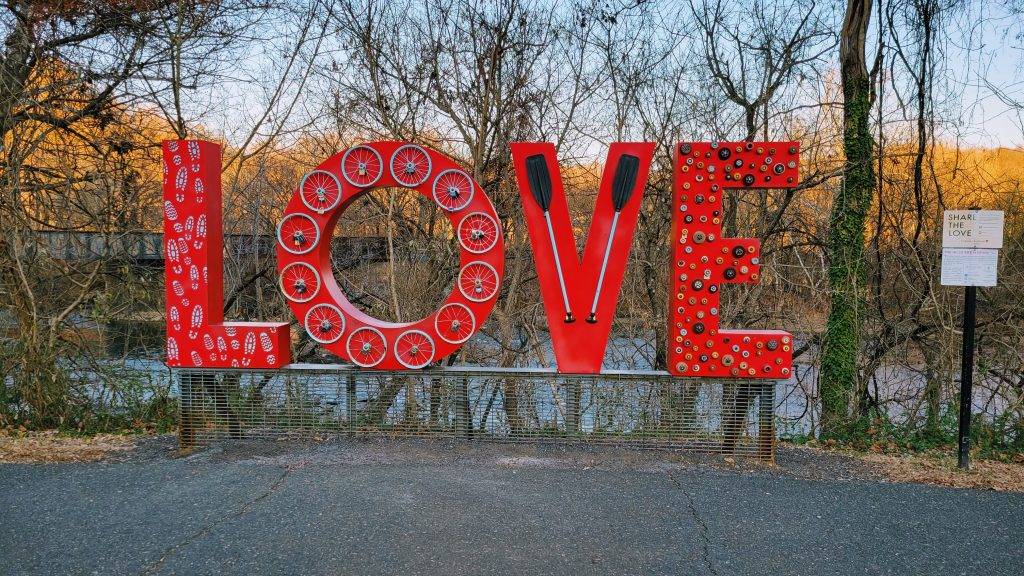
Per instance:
x=51, y=447
x=942, y=470
x=932, y=467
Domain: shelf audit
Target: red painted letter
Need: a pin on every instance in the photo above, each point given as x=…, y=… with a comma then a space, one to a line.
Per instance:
x=580, y=297
x=304, y=256
x=193, y=271
x=702, y=259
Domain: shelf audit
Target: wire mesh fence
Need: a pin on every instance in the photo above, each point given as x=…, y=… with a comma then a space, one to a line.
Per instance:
x=642, y=408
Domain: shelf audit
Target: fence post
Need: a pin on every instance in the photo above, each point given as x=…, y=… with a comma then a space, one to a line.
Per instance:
x=351, y=401
x=225, y=392
x=186, y=411
x=766, y=422
x=572, y=405
x=463, y=417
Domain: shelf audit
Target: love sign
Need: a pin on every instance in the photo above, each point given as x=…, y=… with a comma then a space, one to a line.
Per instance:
x=579, y=294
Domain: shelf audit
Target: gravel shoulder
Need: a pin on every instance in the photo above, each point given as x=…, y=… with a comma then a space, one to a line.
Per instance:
x=793, y=461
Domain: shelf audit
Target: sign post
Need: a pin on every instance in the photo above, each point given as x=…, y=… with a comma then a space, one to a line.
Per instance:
x=971, y=240
x=963, y=436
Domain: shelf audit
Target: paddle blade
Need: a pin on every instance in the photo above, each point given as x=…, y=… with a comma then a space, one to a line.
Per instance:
x=540, y=180
x=625, y=180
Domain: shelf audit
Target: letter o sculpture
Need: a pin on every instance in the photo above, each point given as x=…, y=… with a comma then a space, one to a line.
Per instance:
x=304, y=255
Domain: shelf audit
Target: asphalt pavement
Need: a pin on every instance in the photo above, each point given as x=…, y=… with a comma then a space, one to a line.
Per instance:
x=420, y=507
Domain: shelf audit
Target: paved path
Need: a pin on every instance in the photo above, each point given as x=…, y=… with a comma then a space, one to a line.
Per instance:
x=351, y=507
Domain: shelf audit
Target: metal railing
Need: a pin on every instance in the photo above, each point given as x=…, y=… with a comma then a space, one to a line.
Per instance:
x=641, y=408
x=346, y=252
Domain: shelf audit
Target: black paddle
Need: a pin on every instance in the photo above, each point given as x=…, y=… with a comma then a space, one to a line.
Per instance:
x=540, y=187
x=622, y=190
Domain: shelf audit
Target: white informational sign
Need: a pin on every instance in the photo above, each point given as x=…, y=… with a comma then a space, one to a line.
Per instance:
x=969, y=266
x=972, y=229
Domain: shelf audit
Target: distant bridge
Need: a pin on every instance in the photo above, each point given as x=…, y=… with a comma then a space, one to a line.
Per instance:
x=147, y=248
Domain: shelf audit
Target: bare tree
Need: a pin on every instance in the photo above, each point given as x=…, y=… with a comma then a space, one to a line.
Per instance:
x=78, y=82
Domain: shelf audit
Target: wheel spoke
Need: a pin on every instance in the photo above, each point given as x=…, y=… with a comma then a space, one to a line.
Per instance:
x=366, y=346
x=455, y=323
x=320, y=191
x=362, y=166
x=414, y=349
x=410, y=165
x=453, y=190
x=298, y=233
x=478, y=281
x=325, y=323
x=299, y=282
x=478, y=232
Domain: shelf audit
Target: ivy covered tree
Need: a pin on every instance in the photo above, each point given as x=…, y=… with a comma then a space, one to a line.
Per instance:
x=851, y=201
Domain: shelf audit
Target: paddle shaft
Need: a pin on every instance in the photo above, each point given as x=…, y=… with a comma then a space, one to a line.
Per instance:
x=604, y=266
x=558, y=268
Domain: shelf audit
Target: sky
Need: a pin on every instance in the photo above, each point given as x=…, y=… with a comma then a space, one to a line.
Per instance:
x=989, y=58
x=982, y=73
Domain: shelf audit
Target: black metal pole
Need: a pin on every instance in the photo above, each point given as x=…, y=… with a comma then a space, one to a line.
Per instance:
x=966, y=379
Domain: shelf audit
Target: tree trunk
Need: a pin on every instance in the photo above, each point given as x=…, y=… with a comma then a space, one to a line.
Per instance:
x=15, y=68
x=838, y=379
